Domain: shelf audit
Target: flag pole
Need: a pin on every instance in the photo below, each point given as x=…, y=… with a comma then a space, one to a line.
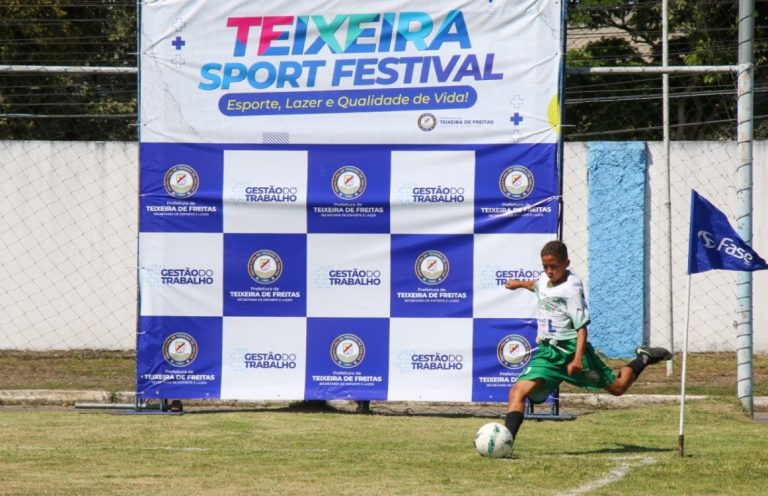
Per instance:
x=683, y=370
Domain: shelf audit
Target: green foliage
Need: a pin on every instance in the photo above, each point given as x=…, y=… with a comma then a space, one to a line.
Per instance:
x=629, y=33
x=68, y=106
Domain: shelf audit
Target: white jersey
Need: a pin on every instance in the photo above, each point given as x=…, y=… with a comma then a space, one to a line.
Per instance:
x=562, y=309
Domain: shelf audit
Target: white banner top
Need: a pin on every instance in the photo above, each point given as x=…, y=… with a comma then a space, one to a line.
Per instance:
x=373, y=72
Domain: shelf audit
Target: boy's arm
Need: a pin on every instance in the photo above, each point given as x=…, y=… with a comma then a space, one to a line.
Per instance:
x=517, y=284
x=576, y=366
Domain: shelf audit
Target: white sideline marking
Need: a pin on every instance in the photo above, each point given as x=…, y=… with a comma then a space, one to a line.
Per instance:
x=615, y=474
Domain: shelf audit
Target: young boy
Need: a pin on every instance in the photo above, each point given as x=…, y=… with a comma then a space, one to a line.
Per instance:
x=564, y=354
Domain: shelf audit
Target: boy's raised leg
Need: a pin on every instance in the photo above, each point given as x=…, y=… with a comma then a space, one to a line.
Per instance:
x=631, y=371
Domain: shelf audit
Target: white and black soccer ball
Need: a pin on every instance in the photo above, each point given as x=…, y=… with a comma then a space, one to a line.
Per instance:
x=494, y=440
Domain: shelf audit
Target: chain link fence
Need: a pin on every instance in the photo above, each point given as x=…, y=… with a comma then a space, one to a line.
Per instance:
x=69, y=224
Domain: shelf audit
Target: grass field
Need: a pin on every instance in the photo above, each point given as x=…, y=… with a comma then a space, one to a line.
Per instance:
x=115, y=371
x=283, y=451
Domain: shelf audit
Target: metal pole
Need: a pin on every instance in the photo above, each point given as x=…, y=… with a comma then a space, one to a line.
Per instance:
x=668, y=169
x=67, y=69
x=744, y=139
x=674, y=69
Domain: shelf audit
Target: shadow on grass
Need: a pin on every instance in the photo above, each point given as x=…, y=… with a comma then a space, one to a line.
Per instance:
x=332, y=410
x=322, y=408
x=621, y=448
x=305, y=406
x=361, y=408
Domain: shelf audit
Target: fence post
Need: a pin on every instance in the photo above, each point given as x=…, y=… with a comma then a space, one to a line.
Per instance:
x=744, y=202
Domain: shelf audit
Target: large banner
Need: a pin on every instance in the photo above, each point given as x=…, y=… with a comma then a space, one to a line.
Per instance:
x=333, y=194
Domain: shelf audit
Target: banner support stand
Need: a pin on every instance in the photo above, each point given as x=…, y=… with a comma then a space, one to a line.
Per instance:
x=554, y=410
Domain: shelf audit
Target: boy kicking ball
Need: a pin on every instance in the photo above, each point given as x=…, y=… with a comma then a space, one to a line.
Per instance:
x=564, y=354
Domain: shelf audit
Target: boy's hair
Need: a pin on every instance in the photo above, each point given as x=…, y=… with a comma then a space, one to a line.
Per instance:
x=556, y=249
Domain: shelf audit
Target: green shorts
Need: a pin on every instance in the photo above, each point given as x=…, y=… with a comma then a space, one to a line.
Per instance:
x=550, y=365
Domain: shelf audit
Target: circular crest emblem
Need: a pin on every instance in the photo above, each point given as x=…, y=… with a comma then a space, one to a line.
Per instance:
x=180, y=349
x=348, y=182
x=513, y=352
x=516, y=182
x=181, y=181
x=432, y=267
x=265, y=266
x=427, y=122
x=347, y=351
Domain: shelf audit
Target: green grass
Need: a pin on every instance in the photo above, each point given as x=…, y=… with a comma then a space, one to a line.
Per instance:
x=84, y=370
x=632, y=451
x=115, y=371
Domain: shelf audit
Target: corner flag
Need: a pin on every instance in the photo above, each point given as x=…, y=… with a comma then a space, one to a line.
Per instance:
x=714, y=244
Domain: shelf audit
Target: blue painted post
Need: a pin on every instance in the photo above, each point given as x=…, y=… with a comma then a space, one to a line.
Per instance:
x=617, y=254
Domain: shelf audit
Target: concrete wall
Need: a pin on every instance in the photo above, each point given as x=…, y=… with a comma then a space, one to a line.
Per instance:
x=68, y=227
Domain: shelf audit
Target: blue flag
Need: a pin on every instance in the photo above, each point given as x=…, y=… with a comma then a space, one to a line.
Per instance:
x=714, y=244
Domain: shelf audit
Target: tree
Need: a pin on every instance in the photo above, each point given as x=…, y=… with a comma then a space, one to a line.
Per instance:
x=68, y=106
x=702, y=106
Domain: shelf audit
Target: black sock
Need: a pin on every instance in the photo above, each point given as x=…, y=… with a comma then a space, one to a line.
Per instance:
x=638, y=365
x=513, y=421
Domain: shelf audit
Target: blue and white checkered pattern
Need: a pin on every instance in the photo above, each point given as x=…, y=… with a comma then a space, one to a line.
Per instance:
x=269, y=282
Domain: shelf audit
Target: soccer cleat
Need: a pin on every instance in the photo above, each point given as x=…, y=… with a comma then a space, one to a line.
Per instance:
x=653, y=355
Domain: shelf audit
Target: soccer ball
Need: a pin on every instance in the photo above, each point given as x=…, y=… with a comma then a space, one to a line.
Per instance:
x=494, y=440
